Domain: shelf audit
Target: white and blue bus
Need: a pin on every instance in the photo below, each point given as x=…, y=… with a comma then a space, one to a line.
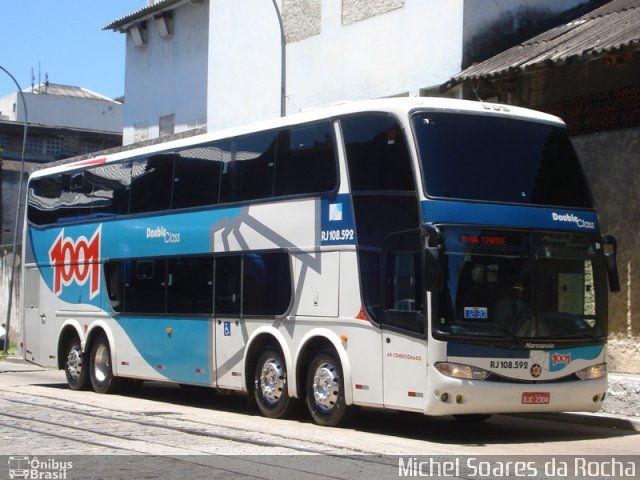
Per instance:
x=427, y=255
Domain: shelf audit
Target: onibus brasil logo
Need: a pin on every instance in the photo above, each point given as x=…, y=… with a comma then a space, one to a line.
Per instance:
x=76, y=261
x=35, y=468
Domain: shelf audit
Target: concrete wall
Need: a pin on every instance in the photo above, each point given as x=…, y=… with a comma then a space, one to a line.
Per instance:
x=63, y=111
x=336, y=51
x=610, y=160
x=9, y=198
x=15, y=330
x=168, y=76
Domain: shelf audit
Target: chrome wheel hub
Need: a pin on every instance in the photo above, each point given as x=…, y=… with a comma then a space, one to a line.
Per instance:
x=326, y=387
x=272, y=380
x=74, y=362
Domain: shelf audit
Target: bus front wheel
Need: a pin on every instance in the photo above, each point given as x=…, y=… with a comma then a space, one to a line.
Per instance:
x=100, y=370
x=270, y=385
x=325, y=391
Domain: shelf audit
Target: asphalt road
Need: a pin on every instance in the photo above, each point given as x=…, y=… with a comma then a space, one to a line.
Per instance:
x=162, y=431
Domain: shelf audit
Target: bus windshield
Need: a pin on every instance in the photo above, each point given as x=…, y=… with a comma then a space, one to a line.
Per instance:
x=517, y=285
x=498, y=159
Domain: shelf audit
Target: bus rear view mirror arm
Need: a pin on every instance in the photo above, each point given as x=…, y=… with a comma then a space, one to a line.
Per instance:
x=432, y=257
x=610, y=246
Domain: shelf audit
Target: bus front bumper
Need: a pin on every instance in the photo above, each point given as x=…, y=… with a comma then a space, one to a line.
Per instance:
x=451, y=396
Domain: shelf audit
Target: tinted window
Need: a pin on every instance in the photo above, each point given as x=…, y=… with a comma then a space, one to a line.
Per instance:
x=266, y=281
x=403, y=292
x=44, y=195
x=190, y=285
x=377, y=153
x=384, y=197
x=227, y=286
x=185, y=285
x=75, y=196
x=495, y=286
x=250, y=175
x=306, y=160
x=145, y=286
x=114, y=277
x=197, y=175
x=152, y=180
x=487, y=158
x=111, y=186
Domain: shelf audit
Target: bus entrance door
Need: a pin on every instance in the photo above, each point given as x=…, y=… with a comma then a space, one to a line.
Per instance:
x=404, y=367
x=403, y=323
x=33, y=318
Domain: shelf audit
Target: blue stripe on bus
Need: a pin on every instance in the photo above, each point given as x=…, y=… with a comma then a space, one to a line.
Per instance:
x=180, y=354
x=559, y=359
x=157, y=235
x=504, y=216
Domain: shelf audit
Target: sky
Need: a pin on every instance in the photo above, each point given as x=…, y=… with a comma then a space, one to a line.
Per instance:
x=64, y=40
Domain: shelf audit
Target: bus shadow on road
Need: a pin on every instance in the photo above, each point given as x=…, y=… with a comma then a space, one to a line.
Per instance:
x=497, y=429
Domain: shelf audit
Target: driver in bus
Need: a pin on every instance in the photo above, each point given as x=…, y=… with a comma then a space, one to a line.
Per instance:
x=509, y=309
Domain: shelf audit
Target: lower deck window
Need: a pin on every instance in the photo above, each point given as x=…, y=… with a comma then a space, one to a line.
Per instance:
x=257, y=283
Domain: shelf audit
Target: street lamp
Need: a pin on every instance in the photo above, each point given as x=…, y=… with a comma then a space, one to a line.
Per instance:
x=17, y=223
x=283, y=62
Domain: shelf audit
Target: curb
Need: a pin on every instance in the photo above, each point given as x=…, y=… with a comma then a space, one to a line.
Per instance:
x=598, y=419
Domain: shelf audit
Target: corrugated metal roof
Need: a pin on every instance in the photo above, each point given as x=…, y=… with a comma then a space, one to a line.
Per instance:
x=140, y=14
x=66, y=91
x=607, y=29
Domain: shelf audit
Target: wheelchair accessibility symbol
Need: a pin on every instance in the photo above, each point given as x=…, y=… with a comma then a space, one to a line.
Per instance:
x=227, y=329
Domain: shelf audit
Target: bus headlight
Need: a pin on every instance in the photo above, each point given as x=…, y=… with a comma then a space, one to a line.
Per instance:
x=458, y=370
x=592, y=372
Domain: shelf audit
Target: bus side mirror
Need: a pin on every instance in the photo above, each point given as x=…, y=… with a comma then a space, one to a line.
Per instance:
x=432, y=269
x=432, y=257
x=610, y=247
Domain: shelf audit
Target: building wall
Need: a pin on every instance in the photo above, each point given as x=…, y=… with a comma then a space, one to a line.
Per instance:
x=64, y=111
x=6, y=262
x=336, y=51
x=351, y=49
x=610, y=162
x=9, y=186
x=167, y=78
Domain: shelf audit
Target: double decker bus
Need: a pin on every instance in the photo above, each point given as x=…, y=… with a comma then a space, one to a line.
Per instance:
x=427, y=255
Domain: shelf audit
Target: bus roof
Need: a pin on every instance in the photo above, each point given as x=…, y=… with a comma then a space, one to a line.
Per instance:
x=399, y=106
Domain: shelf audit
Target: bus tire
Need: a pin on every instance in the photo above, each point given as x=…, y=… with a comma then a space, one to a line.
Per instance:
x=270, y=384
x=100, y=370
x=76, y=368
x=325, y=391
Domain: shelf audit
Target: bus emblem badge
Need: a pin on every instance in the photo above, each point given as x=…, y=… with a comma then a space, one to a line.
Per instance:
x=536, y=370
x=76, y=262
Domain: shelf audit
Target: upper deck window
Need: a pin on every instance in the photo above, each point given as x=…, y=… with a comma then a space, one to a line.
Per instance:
x=497, y=159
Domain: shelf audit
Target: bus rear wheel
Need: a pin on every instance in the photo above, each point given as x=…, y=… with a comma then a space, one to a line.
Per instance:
x=75, y=367
x=100, y=370
x=325, y=391
x=270, y=385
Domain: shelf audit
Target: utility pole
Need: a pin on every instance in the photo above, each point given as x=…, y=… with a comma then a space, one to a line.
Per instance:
x=283, y=62
x=14, y=255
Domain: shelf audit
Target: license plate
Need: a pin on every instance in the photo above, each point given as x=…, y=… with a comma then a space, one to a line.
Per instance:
x=535, y=398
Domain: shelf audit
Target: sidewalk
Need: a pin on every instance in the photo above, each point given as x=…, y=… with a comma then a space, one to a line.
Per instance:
x=621, y=407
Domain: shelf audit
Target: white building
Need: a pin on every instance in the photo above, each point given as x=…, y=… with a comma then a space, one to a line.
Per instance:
x=54, y=105
x=217, y=63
